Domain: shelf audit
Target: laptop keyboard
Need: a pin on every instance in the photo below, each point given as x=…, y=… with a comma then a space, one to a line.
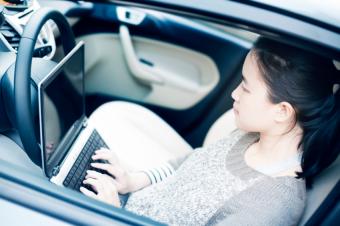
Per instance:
x=77, y=173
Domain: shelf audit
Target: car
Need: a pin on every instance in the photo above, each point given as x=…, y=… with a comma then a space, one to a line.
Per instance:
x=179, y=59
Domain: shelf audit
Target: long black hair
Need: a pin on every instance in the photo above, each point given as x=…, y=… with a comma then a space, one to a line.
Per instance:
x=306, y=81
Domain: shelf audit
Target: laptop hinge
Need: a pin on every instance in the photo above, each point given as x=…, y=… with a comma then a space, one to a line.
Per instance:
x=55, y=170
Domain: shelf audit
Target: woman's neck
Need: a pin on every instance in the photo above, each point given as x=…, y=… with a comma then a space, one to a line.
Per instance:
x=274, y=151
x=279, y=147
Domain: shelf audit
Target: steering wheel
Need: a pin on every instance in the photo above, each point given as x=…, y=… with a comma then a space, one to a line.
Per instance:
x=22, y=75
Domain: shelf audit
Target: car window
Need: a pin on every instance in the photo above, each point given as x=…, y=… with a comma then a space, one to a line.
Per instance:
x=314, y=9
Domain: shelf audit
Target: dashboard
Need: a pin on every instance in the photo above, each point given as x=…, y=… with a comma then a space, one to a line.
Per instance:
x=16, y=4
x=16, y=14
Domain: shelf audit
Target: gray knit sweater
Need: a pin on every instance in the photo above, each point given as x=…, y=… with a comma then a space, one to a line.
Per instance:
x=214, y=185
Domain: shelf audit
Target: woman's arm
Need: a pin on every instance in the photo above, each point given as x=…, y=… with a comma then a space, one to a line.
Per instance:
x=138, y=180
x=167, y=169
x=133, y=181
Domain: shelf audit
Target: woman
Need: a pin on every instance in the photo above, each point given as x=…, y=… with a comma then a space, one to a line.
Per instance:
x=288, y=119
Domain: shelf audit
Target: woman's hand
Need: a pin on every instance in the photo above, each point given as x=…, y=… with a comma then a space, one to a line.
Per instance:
x=113, y=167
x=103, y=185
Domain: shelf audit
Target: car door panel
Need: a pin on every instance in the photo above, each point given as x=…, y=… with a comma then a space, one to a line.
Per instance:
x=179, y=87
x=200, y=64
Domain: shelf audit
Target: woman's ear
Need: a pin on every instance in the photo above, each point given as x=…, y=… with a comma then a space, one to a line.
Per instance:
x=284, y=112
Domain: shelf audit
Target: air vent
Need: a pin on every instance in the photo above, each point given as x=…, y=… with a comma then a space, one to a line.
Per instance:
x=11, y=35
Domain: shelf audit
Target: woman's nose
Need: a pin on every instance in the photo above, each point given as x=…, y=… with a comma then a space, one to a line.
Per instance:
x=234, y=94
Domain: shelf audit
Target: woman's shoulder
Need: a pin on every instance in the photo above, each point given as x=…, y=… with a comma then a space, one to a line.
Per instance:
x=282, y=199
x=269, y=201
x=286, y=192
x=286, y=188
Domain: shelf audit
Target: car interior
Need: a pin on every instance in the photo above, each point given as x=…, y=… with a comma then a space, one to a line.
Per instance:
x=164, y=77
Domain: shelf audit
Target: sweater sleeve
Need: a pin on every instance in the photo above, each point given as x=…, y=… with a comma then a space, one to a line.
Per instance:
x=160, y=172
x=265, y=203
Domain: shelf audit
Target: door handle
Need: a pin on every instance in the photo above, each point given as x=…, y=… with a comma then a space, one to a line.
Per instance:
x=150, y=73
x=140, y=71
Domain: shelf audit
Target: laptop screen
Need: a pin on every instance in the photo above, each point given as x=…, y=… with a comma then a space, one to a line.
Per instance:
x=61, y=107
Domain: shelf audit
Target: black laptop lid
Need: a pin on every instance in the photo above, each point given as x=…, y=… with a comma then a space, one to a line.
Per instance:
x=61, y=108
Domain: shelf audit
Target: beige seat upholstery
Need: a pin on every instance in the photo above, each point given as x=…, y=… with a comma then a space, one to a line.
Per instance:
x=221, y=128
x=322, y=186
x=139, y=137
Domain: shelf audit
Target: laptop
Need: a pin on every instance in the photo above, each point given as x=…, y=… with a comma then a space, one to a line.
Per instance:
x=67, y=140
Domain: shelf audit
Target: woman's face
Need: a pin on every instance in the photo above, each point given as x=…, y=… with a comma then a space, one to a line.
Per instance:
x=252, y=108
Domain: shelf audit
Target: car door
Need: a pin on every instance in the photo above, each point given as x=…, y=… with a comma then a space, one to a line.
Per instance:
x=179, y=68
